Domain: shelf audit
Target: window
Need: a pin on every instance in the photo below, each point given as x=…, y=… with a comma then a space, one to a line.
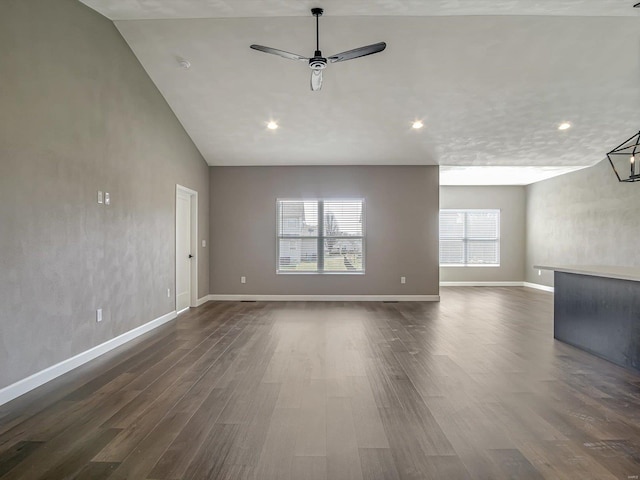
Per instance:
x=320, y=236
x=469, y=238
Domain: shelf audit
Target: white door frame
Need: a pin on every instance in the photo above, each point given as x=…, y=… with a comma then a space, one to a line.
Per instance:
x=193, y=301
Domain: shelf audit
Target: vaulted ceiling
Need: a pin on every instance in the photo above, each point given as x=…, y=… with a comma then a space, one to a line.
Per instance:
x=491, y=80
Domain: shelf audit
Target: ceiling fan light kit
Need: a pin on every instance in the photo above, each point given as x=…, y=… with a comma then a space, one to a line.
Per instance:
x=623, y=158
x=318, y=63
x=626, y=152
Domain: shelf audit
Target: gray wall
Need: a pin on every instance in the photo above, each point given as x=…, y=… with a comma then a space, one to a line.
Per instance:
x=582, y=218
x=77, y=114
x=401, y=224
x=511, y=203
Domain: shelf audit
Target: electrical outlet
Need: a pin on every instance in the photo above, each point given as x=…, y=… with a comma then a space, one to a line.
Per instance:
x=168, y=293
x=403, y=280
x=539, y=273
x=243, y=279
x=99, y=315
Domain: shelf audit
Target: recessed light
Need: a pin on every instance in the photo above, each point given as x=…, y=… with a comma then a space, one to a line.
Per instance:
x=272, y=125
x=564, y=126
x=417, y=125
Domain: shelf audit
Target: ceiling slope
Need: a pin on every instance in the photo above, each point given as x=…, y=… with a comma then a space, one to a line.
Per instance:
x=490, y=90
x=171, y=9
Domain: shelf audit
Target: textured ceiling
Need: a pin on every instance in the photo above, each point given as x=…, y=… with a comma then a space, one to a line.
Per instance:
x=491, y=90
x=490, y=79
x=165, y=9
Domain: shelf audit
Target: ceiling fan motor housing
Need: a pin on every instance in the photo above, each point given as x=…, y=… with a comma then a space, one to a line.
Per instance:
x=318, y=62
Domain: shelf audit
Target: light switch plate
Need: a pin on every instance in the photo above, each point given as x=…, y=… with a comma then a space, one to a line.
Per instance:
x=204, y=243
x=107, y=198
x=99, y=315
x=100, y=201
x=243, y=279
x=403, y=280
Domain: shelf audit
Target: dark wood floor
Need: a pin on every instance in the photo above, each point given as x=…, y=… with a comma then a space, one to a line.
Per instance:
x=471, y=387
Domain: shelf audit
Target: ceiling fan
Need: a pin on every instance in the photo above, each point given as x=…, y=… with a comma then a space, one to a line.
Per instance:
x=317, y=63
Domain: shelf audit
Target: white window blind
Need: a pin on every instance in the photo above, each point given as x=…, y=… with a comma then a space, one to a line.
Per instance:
x=469, y=237
x=320, y=236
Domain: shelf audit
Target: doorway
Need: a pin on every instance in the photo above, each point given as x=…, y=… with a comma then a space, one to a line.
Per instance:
x=186, y=248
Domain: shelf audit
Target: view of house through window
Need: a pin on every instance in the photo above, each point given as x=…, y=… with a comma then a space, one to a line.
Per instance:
x=320, y=236
x=469, y=238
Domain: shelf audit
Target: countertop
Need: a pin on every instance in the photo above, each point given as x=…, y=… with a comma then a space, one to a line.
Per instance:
x=622, y=273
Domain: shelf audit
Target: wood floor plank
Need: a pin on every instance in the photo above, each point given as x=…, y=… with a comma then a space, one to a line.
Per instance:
x=141, y=460
x=194, y=363
x=312, y=421
x=277, y=455
x=206, y=401
x=564, y=460
x=467, y=425
x=378, y=464
x=138, y=363
x=74, y=462
x=366, y=417
x=65, y=458
x=83, y=428
x=140, y=421
x=512, y=464
x=471, y=387
x=96, y=471
x=309, y=468
x=209, y=461
x=16, y=454
x=343, y=459
x=252, y=434
x=520, y=422
x=174, y=461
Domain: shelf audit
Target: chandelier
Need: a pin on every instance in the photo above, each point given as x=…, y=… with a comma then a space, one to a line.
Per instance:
x=623, y=159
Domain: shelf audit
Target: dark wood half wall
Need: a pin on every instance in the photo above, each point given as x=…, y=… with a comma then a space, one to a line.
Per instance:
x=600, y=315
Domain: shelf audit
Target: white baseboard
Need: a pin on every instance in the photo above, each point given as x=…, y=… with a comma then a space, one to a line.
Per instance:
x=326, y=298
x=25, y=385
x=481, y=284
x=497, y=284
x=537, y=286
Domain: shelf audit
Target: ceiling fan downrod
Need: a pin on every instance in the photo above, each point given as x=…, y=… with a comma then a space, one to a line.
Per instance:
x=317, y=12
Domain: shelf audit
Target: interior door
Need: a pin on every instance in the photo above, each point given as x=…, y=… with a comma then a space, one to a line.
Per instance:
x=183, y=250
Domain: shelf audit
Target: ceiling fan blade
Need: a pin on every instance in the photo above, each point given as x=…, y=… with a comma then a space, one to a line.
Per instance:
x=316, y=80
x=357, y=52
x=281, y=53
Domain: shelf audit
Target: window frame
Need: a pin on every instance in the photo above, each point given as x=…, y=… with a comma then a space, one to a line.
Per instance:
x=320, y=238
x=465, y=240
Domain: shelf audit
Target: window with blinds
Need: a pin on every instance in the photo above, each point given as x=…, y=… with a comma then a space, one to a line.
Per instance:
x=469, y=238
x=320, y=236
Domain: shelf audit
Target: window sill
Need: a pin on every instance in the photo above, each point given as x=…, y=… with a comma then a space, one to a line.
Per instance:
x=318, y=273
x=470, y=266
